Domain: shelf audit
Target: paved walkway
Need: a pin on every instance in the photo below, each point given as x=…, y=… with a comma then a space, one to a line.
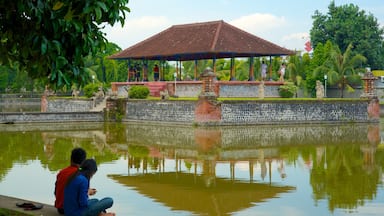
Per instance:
x=10, y=203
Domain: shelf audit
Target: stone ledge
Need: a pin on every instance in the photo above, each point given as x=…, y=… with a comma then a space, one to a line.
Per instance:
x=7, y=202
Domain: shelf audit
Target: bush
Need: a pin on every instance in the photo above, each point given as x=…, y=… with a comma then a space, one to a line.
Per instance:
x=90, y=89
x=288, y=90
x=138, y=92
x=355, y=80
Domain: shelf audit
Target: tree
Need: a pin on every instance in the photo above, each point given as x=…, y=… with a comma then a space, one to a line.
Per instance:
x=50, y=38
x=320, y=55
x=346, y=25
x=339, y=66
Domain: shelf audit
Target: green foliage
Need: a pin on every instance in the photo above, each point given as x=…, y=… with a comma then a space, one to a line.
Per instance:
x=347, y=24
x=90, y=89
x=138, y=151
x=138, y=92
x=288, y=90
x=117, y=113
x=4, y=77
x=339, y=66
x=355, y=80
x=50, y=39
x=296, y=68
x=8, y=212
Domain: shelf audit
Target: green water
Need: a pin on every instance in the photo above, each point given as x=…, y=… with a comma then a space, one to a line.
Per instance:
x=177, y=170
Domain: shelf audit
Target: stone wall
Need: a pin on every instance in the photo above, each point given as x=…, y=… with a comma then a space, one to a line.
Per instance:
x=224, y=113
x=19, y=104
x=69, y=105
x=185, y=89
x=247, y=89
x=226, y=143
x=51, y=117
x=244, y=137
x=254, y=112
x=163, y=111
x=225, y=88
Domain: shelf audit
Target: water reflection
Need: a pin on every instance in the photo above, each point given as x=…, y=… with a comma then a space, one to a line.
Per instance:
x=214, y=171
x=190, y=192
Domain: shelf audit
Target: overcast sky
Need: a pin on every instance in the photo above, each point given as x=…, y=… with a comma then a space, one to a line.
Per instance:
x=286, y=23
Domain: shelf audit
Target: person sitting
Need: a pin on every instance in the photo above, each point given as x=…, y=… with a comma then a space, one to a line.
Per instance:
x=78, y=155
x=76, y=201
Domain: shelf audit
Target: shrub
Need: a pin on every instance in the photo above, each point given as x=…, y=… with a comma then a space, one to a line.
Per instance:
x=288, y=90
x=355, y=80
x=138, y=92
x=90, y=89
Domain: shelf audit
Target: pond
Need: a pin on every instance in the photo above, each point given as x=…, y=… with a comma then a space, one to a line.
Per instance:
x=182, y=170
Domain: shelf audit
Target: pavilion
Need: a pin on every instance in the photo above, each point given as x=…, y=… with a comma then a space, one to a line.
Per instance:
x=205, y=40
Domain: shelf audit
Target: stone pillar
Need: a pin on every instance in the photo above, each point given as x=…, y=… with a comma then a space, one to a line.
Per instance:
x=208, y=109
x=115, y=109
x=369, y=93
x=369, y=84
x=261, y=90
x=374, y=108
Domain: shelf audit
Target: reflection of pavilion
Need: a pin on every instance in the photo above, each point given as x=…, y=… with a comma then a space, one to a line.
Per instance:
x=196, y=187
x=206, y=158
x=189, y=192
x=200, y=191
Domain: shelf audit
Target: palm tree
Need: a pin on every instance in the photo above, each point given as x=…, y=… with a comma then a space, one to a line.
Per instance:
x=339, y=66
x=297, y=65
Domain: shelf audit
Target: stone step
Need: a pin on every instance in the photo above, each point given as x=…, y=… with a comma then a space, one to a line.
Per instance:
x=155, y=88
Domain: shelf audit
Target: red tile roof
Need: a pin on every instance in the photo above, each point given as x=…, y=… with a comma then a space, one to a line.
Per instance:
x=207, y=40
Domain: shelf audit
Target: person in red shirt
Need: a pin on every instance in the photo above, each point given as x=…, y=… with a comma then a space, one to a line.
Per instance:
x=156, y=72
x=78, y=155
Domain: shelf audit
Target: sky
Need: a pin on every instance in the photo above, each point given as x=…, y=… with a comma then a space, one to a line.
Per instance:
x=285, y=23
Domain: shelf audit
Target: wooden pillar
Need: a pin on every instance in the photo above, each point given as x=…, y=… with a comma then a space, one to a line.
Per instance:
x=270, y=68
x=214, y=65
x=129, y=67
x=232, y=73
x=250, y=171
x=145, y=70
x=232, y=170
x=270, y=171
x=180, y=70
x=195, y=78
x=162, y=70
x=251, y=69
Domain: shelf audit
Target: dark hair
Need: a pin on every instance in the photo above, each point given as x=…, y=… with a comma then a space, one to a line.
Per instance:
x=87, y=168
x=78, y=155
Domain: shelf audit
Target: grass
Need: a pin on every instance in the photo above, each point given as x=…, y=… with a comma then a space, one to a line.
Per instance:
x=8, y=212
